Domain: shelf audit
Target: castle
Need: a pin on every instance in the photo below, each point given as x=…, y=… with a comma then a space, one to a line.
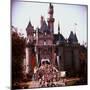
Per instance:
x=43, y=44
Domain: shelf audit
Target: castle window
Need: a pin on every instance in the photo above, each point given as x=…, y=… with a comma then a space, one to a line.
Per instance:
x=44, y=42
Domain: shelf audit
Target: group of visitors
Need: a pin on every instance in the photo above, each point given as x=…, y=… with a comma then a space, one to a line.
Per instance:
x=47, y=74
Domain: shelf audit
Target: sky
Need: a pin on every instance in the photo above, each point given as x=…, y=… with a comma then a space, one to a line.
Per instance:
x=66, y=14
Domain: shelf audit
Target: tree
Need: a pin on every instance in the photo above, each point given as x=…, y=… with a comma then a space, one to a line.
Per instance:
x=18, y=55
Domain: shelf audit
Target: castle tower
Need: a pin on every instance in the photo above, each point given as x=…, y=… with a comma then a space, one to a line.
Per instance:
x=29, y=47
x=30, y=32
x=51, y=19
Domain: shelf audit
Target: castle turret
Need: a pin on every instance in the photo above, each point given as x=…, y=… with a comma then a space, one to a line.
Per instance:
x=30, y=32
x=29, y=47
x=51, y=19
x=73, y=38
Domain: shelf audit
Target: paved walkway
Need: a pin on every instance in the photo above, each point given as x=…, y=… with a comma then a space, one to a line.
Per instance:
x=35, y=84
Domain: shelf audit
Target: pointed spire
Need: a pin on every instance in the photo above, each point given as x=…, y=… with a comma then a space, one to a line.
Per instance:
x=29, y=28
x=41, y=21
x=44, y=26
x=50, y=5
x=50, y=9
x=29, y=24
x=58, y=27
x=73, y=38
x=42, y=17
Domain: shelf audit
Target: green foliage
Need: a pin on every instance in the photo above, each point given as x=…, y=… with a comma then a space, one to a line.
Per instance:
x=18, y=55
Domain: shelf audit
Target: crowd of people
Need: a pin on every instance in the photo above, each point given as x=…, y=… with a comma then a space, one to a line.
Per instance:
x=46, y=74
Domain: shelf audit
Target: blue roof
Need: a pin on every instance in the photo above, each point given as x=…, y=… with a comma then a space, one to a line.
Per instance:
x=59, y=38
x=44, y=27
x=72, y=37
